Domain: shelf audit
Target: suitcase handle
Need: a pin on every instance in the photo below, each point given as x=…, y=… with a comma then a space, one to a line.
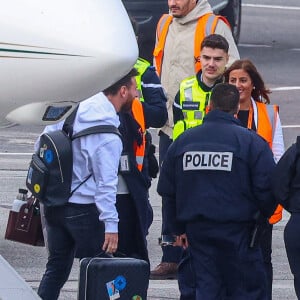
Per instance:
x=110, y=255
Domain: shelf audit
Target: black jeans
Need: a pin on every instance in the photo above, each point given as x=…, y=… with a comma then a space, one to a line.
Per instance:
x=170, y=253
x=73, y=230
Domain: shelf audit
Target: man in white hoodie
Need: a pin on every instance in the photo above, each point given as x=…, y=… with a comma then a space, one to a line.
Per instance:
x=175, y=59
x=88, y=223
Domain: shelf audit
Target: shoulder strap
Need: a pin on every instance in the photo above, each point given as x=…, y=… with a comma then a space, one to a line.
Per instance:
x=97, y=129
x=93, y=130
x=68, y=124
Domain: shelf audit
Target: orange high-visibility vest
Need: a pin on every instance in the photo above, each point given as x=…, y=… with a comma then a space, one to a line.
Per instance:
x=138, y=114
x=206, y=25
x=266, y=124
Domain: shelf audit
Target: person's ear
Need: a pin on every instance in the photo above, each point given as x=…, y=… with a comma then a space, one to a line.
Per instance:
x=227, y=59
x=123, y=91
x=238, y=109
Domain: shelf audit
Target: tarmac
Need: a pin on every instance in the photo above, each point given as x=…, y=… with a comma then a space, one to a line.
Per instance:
x=28, y=262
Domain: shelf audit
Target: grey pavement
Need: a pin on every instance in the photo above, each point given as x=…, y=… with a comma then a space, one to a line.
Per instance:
x=29, y=262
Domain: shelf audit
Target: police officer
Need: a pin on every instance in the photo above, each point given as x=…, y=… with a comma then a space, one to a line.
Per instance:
x=215, y=180
x=190, y=104
x=190, y=107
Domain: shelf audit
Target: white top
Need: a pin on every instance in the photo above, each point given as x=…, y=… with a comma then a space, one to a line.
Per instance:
x=96, y=154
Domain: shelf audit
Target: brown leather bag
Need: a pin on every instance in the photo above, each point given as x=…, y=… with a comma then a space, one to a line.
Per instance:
x=25, y=226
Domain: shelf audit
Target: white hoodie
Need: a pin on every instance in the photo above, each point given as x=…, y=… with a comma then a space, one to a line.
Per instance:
x=96, y=154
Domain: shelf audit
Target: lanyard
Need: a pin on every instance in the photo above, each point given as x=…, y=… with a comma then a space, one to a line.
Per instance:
x=250, y=117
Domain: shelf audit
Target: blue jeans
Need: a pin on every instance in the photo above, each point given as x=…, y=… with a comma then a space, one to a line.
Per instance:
x=170, y=253
x=73, y=230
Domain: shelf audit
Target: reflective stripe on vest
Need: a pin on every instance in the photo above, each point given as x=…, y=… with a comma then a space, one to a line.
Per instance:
x=141, y=65
x=266, y=121
x=193, y=102
x=138, y=114
x=266, y=125
x=206, y=25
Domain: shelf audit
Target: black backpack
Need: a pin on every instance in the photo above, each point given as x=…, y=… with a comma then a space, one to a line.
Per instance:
x=49, y=176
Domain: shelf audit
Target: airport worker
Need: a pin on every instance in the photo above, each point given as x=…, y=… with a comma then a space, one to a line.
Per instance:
x=176, y=57
x=190, y=104
x=88, y=223
x=286, y=189
x=139, y=164
x=215, y=182
x=257, y=114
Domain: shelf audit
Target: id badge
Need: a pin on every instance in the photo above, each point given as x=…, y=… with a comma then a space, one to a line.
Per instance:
x=124, y=163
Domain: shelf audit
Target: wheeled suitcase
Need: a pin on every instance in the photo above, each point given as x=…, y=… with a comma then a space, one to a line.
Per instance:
x=113, y=278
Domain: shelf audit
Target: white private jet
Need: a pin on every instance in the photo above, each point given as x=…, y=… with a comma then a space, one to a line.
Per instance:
x=56, y=53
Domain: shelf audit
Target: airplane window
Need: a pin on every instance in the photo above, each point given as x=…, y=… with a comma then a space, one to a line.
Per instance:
x=54, y=113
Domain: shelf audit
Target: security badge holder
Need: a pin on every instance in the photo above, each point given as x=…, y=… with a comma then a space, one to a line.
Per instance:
x=167, y=240
x=124, y=163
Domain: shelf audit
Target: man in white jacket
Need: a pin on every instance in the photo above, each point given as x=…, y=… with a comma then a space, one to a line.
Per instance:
x=88, y=223
x=175, y=60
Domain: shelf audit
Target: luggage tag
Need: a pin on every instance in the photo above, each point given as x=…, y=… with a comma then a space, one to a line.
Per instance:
x=124, y=166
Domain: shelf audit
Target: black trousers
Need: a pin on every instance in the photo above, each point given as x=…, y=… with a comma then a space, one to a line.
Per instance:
x=224, y=265
x=73, y=230
x=170, y=253
x=128, y=227
x=186, y=278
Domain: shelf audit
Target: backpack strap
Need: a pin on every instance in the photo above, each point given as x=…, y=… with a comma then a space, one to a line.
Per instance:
x=69, y=121
x=97, y=129
x=94, y=130
x=80, y=184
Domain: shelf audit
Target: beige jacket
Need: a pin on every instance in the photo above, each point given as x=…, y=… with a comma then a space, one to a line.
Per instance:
x=178, y=60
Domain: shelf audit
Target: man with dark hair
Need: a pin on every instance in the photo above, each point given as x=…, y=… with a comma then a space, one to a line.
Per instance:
x=215, y=180
x=88, y=223
x=190, y=104
x=224, y=98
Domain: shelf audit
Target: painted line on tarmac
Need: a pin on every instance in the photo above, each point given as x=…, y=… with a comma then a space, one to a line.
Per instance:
x=163, y=284
x=271, y=6
x=285, y=88
x=14, y=154
x=255, y=46
x=290, y=126
x=264, y=46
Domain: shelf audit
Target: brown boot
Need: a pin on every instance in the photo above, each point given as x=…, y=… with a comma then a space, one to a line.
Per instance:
x=164, y=270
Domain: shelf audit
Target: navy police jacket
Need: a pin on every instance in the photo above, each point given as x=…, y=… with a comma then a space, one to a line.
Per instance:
x=286, y=179
x=155, y=100
x=219, y=172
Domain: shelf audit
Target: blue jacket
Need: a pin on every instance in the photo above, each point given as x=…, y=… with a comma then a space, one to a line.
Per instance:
x=219, y=172
x=155, y=108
